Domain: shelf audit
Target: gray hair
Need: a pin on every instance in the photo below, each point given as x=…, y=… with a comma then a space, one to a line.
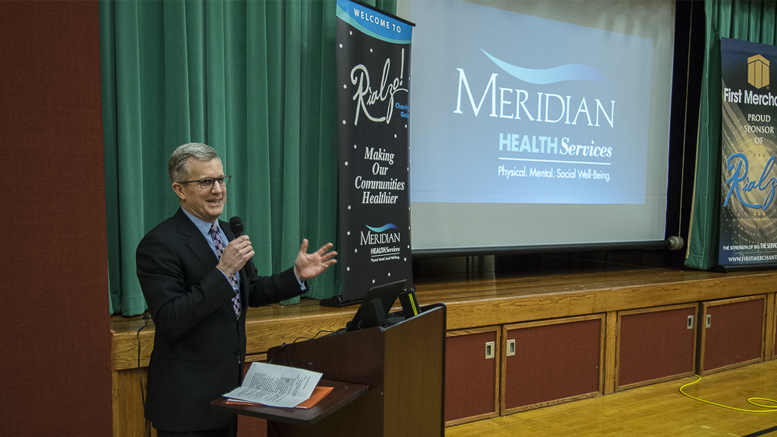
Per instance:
x=177, y=168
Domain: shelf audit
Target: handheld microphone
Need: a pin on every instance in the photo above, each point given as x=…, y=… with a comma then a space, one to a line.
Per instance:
x=237, y=228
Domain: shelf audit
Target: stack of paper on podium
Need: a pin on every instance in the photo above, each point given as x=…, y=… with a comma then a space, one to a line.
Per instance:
x=279, y=386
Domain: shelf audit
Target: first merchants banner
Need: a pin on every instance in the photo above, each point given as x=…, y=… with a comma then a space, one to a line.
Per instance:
x=373, y=77
x=748, y=220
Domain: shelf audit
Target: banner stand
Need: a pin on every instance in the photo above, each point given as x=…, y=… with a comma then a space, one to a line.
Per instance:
x=335, y=302
x=373, y=114
x=748, y=218
x=742, y=268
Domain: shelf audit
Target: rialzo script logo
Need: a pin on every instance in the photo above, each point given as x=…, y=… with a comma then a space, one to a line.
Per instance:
x=367, y=97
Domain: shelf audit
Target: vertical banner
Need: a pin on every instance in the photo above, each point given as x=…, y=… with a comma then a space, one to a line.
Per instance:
x=373, y=78
x=748, y=220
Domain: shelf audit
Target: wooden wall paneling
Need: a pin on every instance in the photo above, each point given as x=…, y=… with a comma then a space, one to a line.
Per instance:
x=472, y=381
x=128, y=417
x=735, y=336
x=610, y=348
x=655, y=344
x=476, y=303
x=770, y=327
x=116, y=412
x=483, y=302
x=556, y=361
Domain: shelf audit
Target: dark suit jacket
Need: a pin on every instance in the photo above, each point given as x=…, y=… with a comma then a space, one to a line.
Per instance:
x=199, y=344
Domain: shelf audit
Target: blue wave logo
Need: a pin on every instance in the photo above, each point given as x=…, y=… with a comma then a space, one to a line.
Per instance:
x=382, y=228
x=547, y=76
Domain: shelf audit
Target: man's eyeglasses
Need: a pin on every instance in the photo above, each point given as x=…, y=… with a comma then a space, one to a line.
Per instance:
x=207, y=183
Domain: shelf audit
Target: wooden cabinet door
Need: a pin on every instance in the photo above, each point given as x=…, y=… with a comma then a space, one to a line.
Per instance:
x=471, y=375
x=732, y=333
x=553, y=361
x=655, y=344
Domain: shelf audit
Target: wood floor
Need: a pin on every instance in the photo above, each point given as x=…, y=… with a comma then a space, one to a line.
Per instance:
x=655, y=410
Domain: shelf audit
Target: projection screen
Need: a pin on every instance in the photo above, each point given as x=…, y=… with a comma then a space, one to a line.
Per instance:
x=538, y=123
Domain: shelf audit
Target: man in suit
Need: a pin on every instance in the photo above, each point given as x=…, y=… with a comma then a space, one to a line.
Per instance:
x=190, y=269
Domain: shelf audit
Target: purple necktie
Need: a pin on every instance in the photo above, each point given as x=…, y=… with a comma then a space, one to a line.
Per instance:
x=219, y=243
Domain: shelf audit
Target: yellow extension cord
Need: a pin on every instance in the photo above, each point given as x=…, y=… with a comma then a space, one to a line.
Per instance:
x=751, y=401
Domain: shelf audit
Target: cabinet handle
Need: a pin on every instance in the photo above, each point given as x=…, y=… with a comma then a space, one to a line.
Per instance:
x=690, y=322
x=490, y=350
x=510, y=347
x=709, y=320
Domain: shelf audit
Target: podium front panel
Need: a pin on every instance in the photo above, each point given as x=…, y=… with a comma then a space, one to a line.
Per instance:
x=403, y=365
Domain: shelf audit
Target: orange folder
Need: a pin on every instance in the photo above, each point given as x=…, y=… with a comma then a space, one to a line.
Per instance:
x=318, y=394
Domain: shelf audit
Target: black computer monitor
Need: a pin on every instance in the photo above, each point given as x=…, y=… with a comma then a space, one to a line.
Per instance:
x=386, y=294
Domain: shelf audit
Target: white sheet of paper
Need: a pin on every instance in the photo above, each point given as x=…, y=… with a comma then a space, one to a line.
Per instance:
x=276, y=386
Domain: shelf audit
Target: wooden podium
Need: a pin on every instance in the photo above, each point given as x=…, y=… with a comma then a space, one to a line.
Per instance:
x=403, y=365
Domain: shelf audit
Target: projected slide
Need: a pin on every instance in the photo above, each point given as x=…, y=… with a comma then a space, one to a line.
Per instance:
x=512, y=108
x=538, y=123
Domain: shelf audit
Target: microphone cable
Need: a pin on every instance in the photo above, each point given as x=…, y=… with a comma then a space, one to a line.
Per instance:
x=284, y=344
x=771, y=407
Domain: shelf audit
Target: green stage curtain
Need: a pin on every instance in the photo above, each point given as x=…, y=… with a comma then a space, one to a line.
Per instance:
x=752, y=21
x=255, y=80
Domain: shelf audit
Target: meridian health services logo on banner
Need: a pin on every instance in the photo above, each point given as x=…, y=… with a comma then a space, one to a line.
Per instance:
x=373, y=76
x=748, y=220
